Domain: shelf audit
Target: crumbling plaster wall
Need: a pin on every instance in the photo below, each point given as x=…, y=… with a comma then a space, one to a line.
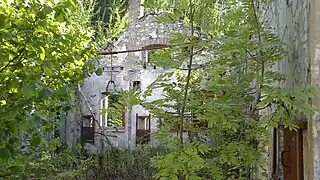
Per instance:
x=297, y=23
x=314, y=52
x=289, y=20
x=141, y=32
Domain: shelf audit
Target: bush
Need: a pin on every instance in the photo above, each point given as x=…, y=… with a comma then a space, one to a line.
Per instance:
x=119, y=164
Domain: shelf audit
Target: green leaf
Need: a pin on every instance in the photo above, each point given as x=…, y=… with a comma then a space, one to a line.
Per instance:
x=3, y=102
x=4, y=154
x=99, y=72
x=28, y=90
x=36, y=139
x=2, y=21
x=47, y=91
x=42, y=53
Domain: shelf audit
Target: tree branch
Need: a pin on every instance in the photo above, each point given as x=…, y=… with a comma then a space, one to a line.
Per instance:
x=186, y=88
x=91, y=112
x=5, y=175
x=13, y=59
x=259, y=77
x=254, y=58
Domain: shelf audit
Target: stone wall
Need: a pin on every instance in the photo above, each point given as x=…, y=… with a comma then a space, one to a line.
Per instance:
x=297, y=23
x=314, y=126
x=141, y=32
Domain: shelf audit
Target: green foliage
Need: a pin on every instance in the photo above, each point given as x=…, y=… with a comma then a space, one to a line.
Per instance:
x=46, y=48
x=186, y=161
x=110, y=20
x=231, y=92
x=62, y=165
x=114, y=111
x=124, y=164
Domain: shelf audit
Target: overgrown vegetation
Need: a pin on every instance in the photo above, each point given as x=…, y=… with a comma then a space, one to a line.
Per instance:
x=234, y=98
x=125, y=164
x=46, y=49
x=116, y=164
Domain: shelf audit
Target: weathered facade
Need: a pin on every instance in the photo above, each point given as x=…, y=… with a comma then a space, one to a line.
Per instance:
x=295, y=155
x=296, y=22
x=128, y=70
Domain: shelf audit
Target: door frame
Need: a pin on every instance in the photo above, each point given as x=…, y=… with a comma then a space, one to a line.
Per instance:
x=145, y=133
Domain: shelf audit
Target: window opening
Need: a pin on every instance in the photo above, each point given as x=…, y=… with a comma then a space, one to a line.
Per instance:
x=143, y=129
x=189, y=118
x=143, y=123
x=141, y=9
x=146, y=59
x=136, y=85
x=112, y=112
x=87, y=129
x=175, y=121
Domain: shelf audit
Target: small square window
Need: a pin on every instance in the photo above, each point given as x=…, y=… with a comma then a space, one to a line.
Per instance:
x=136, y=85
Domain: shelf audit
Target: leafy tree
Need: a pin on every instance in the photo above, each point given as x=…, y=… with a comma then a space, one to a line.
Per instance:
x=45, y=48
x=109, y=20
x=228, y=93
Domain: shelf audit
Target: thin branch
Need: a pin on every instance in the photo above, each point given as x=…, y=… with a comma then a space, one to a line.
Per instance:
x=103, y=134
x=254, y=58
x=161, y=46
x=186, y=88
x=13, y=59
x=91, y=112
x=262, y=108
x=196, y=52
x=259, y=86
x=273, y=115
x=256, y=20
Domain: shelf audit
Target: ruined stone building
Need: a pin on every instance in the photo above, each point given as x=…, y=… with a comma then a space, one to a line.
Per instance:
x=129, y=67
x=293, y=155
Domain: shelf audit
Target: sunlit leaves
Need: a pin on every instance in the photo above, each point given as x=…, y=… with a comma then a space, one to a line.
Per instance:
x=42, y=53
x=235, y=91
x=2, y=21
x=45, y=46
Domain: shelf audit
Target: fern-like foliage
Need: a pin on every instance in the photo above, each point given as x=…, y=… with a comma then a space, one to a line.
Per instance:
x=233, y=98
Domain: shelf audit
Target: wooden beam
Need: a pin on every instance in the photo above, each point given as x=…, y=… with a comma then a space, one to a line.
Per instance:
x=146, y=48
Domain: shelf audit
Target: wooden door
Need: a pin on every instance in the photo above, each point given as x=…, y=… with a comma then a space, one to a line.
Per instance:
x=292, y=154
x=143, y=129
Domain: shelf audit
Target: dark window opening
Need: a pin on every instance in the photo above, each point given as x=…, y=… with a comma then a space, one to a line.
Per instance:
x=176, y=121
x=190, y=121
x=143, y=129
x=113, y=69
x=87, y=129
x=136, y=85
